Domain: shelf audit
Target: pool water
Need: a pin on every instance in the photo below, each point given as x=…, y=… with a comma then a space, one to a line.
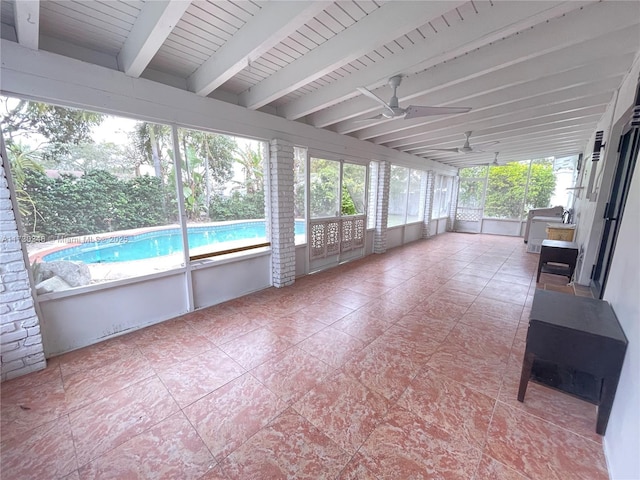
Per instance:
x=159, y=243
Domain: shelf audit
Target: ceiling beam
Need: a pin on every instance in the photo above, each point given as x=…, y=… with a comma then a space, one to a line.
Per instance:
x=488, y=25
x=539, y=76
x=584, y=115
x=550, y=134
x=575, y=28
x=585, y=124
x=515, y=141
x=516, y=156
x=487, y=111
x=381, y=26
x=507, y=116
x=152, y=27
x=27, y=22
x=573, y=142
x=274, y=23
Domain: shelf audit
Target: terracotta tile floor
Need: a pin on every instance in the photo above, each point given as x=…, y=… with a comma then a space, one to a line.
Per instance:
x=396, y=366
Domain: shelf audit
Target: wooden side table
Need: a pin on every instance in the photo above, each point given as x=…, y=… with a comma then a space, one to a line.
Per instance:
x=576, y=345
x=557, y=258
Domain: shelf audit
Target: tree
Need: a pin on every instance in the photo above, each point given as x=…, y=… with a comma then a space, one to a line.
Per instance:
x=347, y=205
x=542, y=184
x=353, y=187
x=96, y=202
x=56, y=129
x=324, y=180
x=506, y=188
x=85, y=157
x=23, y=160
x=253, y=169
x=153, y=142
x=471, y=187
x=207, y=164
x=59, y=127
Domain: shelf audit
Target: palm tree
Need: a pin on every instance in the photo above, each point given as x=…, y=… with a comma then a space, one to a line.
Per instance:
x=251, y=162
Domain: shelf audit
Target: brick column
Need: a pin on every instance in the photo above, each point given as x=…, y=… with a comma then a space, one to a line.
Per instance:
x=427, y=186
x=382, y=210
x=282, y=233
x=21, y=348
x=451, y=221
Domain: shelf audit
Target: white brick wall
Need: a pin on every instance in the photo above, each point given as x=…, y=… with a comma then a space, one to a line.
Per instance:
x=281, y=198
x=382, y=210
x=21, y=349
x=428, y=184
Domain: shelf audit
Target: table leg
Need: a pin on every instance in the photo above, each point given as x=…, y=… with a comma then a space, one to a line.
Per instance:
x=539, y=268
x=607, y=394
x=527, y=366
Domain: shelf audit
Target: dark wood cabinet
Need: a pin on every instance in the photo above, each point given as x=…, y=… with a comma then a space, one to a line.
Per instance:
x=574, y=344
x=558, y=258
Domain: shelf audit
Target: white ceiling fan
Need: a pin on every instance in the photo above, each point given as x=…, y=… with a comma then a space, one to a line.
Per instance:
x=467, y=147
x=393, y=110
x=495, y=161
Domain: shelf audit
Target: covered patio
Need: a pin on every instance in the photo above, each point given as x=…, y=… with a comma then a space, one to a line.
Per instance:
x=397, y=366
x=361, y=335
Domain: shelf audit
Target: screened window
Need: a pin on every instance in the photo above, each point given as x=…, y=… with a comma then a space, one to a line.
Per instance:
x=300, y=193
x=512, y=189
x=354, y=184
x=398, y=189
x=96, y=193
x=442, y=196
x=505, y=190
x=324, y=186
x=471, y=188
x=406, y=196
x=223, y=187
x=542, y=183
x=415, y=205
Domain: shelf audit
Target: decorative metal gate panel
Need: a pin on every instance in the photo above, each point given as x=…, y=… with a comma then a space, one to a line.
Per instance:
x=331, y=236
x=317, y=233
x=346, y=243
x=469, y=214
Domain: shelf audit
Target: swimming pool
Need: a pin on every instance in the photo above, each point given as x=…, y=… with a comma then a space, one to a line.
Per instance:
x=159, y=243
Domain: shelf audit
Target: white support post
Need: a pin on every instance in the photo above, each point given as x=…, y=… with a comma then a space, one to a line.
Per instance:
x=428, y=186
x=282, y=224
x=20, y=337
x=382, y=210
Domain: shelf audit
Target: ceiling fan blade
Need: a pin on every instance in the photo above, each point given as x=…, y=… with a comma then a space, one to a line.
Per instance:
x=377, y=117
x=374, y=97
x=452, y=150
x=414, y=111
x=477, y=146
